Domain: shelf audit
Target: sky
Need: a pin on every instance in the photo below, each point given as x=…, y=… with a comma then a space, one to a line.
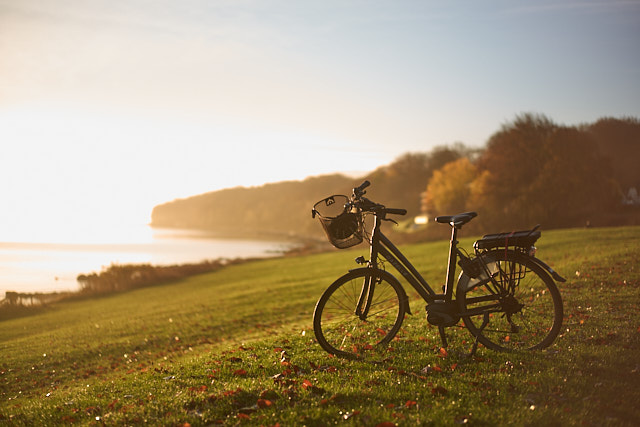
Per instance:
x=110, y=107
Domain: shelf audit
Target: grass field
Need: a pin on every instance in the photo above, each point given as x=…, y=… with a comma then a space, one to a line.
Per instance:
x=236, y=347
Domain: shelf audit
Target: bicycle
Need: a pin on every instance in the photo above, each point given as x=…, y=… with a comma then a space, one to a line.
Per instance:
x=506, y=297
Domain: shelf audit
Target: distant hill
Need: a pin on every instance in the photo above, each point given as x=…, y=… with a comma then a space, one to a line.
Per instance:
x=271, y=210
x=284, y=208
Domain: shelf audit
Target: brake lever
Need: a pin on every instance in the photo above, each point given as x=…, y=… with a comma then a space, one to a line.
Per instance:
x=392, y=220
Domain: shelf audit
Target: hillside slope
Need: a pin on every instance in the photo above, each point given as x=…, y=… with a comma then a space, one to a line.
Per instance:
x=236, y=347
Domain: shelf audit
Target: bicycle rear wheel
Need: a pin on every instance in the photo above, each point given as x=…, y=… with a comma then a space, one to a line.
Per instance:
x=521, y=306
x=341, y=330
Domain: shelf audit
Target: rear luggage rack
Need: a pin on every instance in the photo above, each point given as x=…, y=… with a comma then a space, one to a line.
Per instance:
x=520, y=239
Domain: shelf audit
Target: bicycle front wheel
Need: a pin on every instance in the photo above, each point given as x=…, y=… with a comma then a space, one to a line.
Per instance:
x=520, y=308
x=360, y=311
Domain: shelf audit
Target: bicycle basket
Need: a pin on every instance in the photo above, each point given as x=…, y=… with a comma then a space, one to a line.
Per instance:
x=343, y=227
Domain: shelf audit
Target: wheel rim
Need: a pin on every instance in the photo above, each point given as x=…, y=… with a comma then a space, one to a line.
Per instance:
x=526, y=316
x=345, y=332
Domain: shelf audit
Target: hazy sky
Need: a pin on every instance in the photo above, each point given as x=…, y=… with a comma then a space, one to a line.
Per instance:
x=108, y=107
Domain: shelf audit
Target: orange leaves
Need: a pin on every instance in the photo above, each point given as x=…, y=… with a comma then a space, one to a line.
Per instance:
x=309, y=386
x=240, y=373
x=201, y=389
x=264, y=403
x=228, y=393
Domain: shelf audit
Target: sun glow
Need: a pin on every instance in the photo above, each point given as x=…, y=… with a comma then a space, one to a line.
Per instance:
x=85, y=176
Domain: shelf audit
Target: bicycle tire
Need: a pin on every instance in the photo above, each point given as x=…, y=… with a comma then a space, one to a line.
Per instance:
x=527, y=316
x=340, y=331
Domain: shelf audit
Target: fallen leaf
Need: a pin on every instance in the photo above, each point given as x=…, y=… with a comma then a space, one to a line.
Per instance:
x=269, y=395
x=264, y=403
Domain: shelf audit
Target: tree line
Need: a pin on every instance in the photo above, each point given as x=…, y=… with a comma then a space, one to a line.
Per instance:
x=530, y=171
x=535, y=171
x=125, y=277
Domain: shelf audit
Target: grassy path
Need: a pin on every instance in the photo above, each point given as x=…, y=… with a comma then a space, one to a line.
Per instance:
x=236, y=346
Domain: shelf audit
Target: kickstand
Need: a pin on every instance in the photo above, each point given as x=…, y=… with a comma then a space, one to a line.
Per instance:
x=485, y=322
x=443, y=337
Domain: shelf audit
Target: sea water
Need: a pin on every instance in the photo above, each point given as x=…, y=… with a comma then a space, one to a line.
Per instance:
x=51, y=266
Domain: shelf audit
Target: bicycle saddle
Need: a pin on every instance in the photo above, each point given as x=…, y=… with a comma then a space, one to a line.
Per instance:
x=457, y=220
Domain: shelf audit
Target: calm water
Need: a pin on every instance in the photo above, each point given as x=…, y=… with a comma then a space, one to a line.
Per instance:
x=48, y=267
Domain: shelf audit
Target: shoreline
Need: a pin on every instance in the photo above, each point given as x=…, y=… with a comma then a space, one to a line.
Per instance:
x=40, y=299
x=112, y=280
x=48, y=267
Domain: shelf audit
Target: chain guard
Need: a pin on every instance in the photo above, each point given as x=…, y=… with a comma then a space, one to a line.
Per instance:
x=442, y=313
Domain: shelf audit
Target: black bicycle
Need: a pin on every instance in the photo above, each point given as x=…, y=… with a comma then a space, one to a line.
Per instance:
x=506, y=297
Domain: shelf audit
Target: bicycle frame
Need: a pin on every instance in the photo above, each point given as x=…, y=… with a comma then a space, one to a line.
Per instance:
x=382, y=246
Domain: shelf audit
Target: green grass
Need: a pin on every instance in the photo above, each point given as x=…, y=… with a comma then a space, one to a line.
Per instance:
x=236, y=347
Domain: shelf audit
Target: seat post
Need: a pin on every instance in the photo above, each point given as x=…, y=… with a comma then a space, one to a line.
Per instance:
x=451, y=266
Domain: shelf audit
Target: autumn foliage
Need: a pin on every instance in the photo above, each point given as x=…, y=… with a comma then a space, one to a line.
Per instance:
x=534, y=171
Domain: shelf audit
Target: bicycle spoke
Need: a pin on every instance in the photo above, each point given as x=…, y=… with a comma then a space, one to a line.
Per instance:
x=530, y=307
x=341, y=331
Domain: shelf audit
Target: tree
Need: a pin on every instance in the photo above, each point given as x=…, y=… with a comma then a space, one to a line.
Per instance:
x=575, y=183
x=401, y=183
x=619, y=140
x=449, y=188
x=534, y=171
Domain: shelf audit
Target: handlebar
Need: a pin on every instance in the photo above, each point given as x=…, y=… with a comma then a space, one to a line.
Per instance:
x=359, y=191
x=395, y=211
x=367, y=205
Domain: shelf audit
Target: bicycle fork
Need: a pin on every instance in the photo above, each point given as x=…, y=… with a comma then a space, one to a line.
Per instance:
x=364, y=301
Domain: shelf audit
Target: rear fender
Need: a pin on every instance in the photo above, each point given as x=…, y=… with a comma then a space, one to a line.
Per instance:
x=465, y=281
x=550, y=270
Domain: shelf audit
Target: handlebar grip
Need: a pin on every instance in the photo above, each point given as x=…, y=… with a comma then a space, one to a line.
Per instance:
x=359, y=191
x=362, y=186
x=394, y=211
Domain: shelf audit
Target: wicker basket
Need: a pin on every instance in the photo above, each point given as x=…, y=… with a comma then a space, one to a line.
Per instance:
x=343, y=227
